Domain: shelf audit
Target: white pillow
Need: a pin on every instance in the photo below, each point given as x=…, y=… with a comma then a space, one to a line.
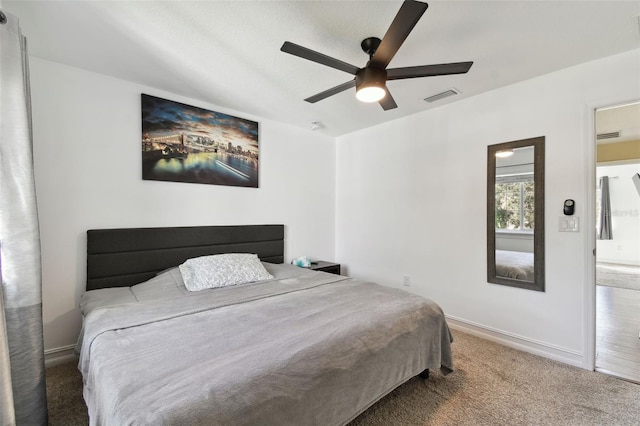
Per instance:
x=222, y=270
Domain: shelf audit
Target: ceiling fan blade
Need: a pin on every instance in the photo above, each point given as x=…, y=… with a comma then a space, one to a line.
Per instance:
x=407, y=17
x=387, y=102
x=311, y=55
x=428, y=70
x=330, y=92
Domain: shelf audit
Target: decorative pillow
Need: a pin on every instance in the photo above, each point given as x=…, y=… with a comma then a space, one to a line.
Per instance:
x=222, y=270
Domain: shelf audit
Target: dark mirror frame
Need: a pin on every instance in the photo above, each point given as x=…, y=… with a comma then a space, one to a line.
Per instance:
x=538, y=233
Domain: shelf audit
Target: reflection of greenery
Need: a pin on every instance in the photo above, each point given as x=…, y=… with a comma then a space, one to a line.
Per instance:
x=502, y=218
x=508, y=205
x=510, y=198
x=529, y=210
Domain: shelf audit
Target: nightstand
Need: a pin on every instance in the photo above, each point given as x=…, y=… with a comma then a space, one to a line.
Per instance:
x=330, y=267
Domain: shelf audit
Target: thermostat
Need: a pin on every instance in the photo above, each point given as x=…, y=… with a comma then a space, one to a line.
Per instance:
x=568, y=207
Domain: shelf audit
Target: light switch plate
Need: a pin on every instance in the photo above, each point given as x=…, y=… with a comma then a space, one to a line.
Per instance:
x=569, y=224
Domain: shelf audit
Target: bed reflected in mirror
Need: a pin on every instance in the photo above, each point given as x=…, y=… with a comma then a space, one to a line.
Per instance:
x=515, y=214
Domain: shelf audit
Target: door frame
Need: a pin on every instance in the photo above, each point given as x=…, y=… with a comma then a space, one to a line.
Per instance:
x=589, y=238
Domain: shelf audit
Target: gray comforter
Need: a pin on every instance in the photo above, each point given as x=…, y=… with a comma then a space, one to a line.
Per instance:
x=306, y=348
x=514, y=264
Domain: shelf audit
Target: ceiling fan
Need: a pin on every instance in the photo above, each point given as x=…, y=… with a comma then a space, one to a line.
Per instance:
x=370, y=81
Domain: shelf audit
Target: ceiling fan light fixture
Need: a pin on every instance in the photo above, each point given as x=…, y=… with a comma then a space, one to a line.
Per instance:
x=370, y=84
x=370, y=81
x=370, y=94
x=504, y=153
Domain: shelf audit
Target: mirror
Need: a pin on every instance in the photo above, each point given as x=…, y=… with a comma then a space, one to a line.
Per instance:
x=515, y=214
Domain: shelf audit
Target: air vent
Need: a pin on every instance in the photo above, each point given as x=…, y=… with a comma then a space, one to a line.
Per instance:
x=610, y=135
x=445, y=94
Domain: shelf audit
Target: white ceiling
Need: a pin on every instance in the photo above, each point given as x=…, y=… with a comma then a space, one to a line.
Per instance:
x=228, y=52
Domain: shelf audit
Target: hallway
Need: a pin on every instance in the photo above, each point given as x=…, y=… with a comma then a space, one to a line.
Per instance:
x=618, y=321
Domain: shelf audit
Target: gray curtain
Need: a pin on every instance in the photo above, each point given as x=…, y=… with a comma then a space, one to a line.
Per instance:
x=22, y=396
x=604, y=225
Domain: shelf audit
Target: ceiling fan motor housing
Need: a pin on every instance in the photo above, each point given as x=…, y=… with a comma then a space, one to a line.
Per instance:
x=371, y=77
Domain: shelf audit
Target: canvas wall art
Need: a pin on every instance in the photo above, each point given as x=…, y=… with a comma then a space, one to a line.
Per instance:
x=183, y=143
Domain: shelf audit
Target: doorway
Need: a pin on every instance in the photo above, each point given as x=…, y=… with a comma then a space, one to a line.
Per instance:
x=617, y=340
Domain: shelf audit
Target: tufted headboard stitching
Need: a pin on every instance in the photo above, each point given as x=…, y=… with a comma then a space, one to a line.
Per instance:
x=124, y=257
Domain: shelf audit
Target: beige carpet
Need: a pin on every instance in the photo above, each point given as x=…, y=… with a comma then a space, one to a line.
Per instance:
x=491, y=385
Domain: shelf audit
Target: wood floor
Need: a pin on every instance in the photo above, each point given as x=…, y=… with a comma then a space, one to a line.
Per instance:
x=617, y=332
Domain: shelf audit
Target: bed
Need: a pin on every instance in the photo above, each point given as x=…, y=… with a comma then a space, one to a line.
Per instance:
x=302, y=347
x=515, y=265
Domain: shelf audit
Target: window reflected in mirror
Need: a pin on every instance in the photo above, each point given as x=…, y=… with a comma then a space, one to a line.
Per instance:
x=515, y=192
x=515, y=214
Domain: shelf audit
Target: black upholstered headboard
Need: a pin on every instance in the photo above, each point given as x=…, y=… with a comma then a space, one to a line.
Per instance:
x=124, y=257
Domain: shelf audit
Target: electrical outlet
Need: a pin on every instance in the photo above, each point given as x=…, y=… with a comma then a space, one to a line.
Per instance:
x=406, y=281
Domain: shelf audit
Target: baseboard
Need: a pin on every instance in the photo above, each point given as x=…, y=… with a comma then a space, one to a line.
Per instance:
x=511, y=340
x=57, y=356
x=618, y=262
x=63, y=354
x=618, y=375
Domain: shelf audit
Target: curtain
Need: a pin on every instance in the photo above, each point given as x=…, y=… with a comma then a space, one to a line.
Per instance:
x=636, y=181
x=22, y=382
x=604, y=226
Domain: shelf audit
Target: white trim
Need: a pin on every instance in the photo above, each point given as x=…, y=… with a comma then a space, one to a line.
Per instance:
x=618, y=262
x=536, y=347
x=60, y=355
x=618, y=162
x=612, y=105
x=515, y=232
x=589, y=242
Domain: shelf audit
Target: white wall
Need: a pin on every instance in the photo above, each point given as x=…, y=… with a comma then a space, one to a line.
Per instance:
x=404, y=198
x=411, y=200
x=625, y=216
x=88, y=175
x=514, y=241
